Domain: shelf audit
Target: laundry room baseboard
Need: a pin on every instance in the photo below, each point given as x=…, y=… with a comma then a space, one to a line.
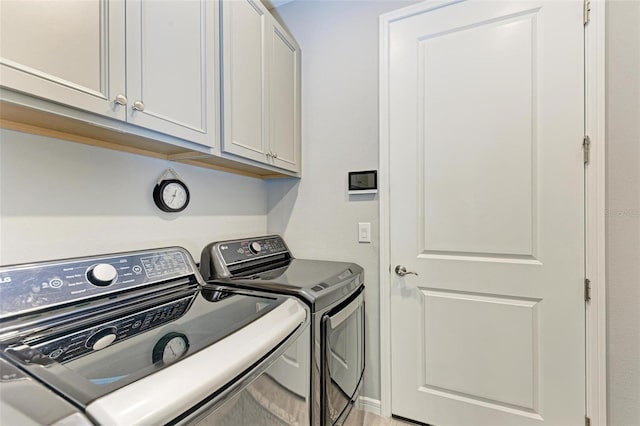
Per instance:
x=370, y=405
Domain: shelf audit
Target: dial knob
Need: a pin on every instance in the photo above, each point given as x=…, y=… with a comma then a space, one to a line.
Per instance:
x=101, y=338
x=255, y=247
x=102, y=274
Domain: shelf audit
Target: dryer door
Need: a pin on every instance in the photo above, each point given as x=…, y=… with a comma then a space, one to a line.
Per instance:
x=342, y=358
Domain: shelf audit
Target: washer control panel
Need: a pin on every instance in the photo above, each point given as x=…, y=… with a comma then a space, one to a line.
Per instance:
x=75, y=345
x=257, y=248
x=32, y=287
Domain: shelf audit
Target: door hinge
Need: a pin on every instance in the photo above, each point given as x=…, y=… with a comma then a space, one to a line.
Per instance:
x=586, y=147
x=586, y=11
x=587, y=290
x=587, y=421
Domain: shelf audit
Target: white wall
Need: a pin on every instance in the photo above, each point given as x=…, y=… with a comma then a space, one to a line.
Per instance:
x=339, y=41
x=60, y=199
x=623, y=208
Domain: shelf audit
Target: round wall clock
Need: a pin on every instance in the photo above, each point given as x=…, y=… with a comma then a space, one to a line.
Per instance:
x=171, y=195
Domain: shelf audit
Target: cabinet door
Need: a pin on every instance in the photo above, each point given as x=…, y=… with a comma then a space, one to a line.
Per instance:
x=70, y=52
x=245, y=92
x=171, y=67
x=284, y=99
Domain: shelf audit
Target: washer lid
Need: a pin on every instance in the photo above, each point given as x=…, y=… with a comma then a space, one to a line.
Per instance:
x=145, y=340
x=168, y=393
x=27, y=402
x=319, y=283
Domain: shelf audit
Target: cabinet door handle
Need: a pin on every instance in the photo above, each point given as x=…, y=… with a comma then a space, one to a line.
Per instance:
x=275, y=155
x=121, y=99
x=138, y=106
x=269, y=154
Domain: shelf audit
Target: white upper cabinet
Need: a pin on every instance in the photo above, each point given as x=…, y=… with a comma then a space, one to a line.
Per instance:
x=71, y=52
x=170, y=67
x=147, y=76
x=261, y=86
x=245, y=89
x=284, y=99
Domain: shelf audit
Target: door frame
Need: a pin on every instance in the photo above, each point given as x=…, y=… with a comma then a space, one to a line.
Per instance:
x=595, y=213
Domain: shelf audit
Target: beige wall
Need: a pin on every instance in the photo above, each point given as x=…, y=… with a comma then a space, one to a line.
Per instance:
x=623, y=211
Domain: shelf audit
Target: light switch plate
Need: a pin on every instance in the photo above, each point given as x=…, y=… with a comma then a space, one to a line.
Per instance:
x=364, y=232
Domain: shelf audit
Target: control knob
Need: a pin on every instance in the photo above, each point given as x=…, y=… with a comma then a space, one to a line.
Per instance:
x=102, y=274
x=255, y=247
x=101, y=338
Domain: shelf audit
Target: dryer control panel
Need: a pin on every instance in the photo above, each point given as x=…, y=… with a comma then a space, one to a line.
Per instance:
x=226, y=259
x=241, y=250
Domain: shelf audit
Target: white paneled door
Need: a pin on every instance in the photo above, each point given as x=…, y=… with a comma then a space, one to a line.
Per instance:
x=486, y=206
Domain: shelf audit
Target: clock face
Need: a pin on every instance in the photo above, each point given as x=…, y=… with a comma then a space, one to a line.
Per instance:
x=174, y=196
x=171, y=195
x=170, y=347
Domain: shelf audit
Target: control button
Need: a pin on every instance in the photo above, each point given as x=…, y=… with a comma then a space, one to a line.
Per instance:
x=137, y=269
x=55, y=354
x=101, y=339
x=55, y=283
x=255, y=247
x=136, y=324
x=102, y=274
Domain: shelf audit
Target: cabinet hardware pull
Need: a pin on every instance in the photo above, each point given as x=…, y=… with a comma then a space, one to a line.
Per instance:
x=121, y=99
x=138, y=106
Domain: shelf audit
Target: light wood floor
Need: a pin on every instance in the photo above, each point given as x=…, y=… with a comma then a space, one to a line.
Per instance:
x=358, y=417
x=266, y=403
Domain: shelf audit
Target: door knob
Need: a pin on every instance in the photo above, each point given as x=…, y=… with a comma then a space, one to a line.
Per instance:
x=138, y=106
x=402, y=271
